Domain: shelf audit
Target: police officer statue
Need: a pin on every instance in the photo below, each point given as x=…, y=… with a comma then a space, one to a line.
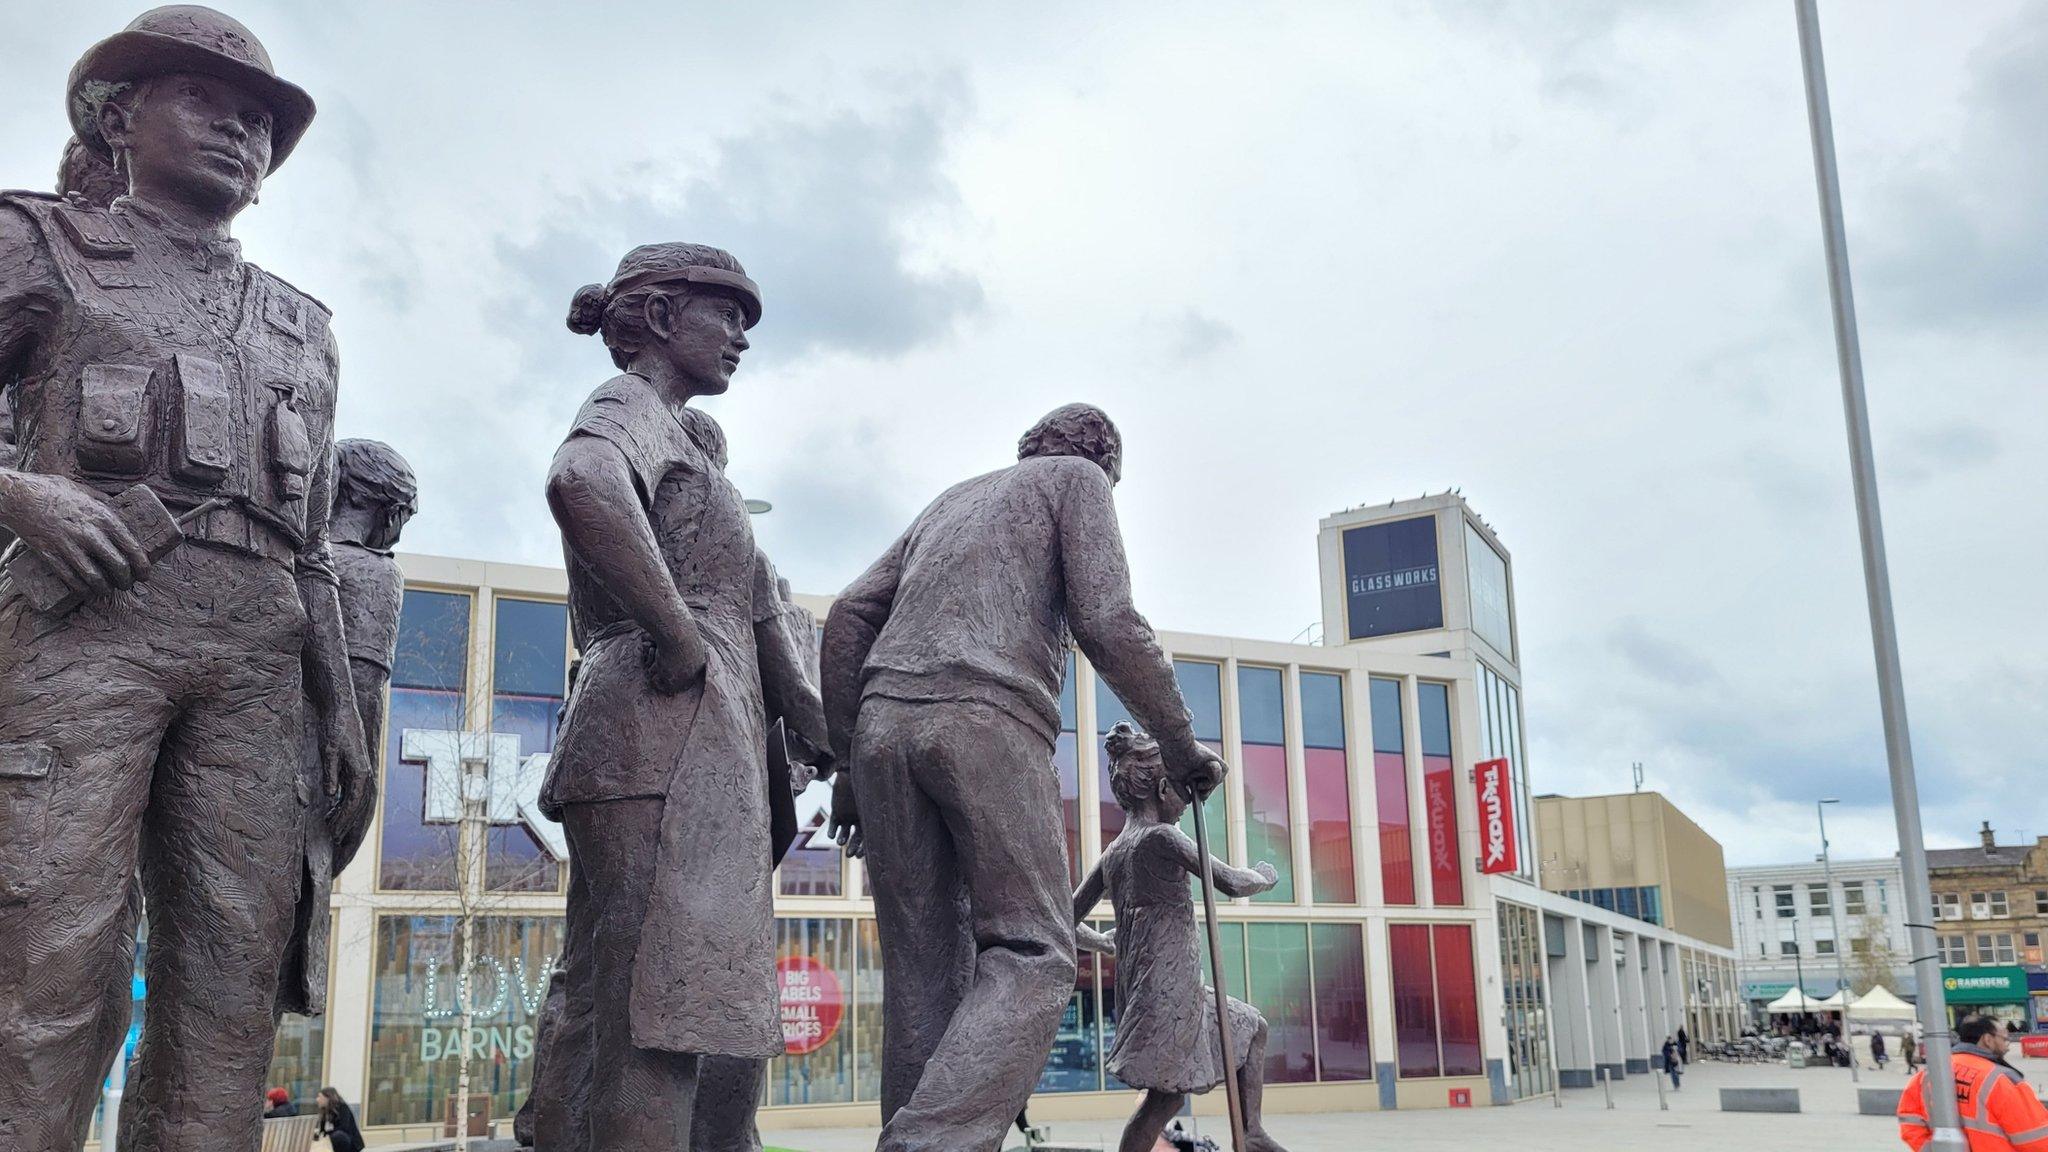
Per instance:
x=154, y=726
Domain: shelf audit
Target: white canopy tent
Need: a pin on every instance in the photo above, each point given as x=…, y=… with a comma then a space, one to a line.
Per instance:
x=1833, y=1003
x=1795, y=1001
x=1880, y=1004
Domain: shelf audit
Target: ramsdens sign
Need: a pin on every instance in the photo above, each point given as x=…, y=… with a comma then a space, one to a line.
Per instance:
x=2001, y=985
x=1494, y=784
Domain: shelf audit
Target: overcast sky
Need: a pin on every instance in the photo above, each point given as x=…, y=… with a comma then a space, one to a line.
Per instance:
x=1565, y=257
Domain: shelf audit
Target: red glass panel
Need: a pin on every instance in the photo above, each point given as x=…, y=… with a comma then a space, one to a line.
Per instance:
x=1440, y=792
x=1397, y=853
x=1343, y=1037
x=1332, y=879
x=1457, y=999
x=1414, y=1000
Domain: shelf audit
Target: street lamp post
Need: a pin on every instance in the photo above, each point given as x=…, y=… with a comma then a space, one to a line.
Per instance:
x=1827, y=874
x=1877, y=586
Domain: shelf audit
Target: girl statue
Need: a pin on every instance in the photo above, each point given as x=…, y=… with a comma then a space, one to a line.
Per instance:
x=1166, y=1034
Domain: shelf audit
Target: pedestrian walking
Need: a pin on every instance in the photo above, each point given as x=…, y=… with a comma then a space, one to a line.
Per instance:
x=1672, y=1060
x=1878, y=1055
x=1684, y=1046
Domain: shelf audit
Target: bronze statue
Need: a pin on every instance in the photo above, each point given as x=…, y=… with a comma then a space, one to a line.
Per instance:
x=374, y=496
x=941, y=673
x=1167, y=1039
x=156, y=725
x=660, y=776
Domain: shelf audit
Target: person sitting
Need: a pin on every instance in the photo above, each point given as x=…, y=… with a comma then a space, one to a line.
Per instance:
x=277, y=1104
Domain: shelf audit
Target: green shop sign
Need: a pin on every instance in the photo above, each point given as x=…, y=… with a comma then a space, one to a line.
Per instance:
x=2007, y=985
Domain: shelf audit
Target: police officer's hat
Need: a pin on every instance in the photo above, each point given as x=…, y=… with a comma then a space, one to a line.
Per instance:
x=186, y=38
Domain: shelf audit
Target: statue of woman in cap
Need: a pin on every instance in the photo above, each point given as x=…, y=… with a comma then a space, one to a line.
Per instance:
x=150, y=717
x=659, y=776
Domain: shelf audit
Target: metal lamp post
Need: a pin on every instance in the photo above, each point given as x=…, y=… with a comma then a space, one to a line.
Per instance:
x=1827, y=874
x=1877, y=587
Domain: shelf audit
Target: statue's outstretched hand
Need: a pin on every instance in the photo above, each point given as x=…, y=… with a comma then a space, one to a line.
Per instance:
x=843, y=825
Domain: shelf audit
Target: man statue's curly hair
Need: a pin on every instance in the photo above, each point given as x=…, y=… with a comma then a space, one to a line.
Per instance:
x=1076, y=430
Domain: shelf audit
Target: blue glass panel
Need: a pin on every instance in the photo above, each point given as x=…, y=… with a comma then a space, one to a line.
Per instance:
x=1322, y=710
x=433, y=641
x=1201, y=685
x=531, y=643
x=1261, y=705
x=1433, y=711
x=1386, y=715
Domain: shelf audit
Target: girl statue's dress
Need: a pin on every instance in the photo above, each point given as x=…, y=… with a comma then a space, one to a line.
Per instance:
x=1166, y=1029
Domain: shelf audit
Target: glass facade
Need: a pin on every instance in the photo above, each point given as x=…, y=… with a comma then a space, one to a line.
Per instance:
x=1526, y=1011
x=529, y=670
x=1342, y=1002
x=428, y=680
x=814, y=865
x=1326, y=769
x=1436, y=1000
x=1390, y=789
x=1201, y=685
x=1262, y=727
x=1486, y=576
x=1308, y=971
x=1644, y=903
x=419, y=993
x=1066, y=761
x=1440, y=794
x=1500, y=738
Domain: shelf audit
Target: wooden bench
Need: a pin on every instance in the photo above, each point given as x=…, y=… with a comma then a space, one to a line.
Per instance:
x=289, y=1133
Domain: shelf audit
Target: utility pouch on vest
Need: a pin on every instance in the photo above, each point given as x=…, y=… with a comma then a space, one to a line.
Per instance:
x=113, y=438
x=202, y=422
x=291, y=448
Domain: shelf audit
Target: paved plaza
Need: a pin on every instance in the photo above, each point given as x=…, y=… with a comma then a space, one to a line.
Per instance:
x=1583, y=1124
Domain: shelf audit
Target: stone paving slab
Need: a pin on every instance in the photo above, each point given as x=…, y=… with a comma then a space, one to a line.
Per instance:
x=1829, y=1119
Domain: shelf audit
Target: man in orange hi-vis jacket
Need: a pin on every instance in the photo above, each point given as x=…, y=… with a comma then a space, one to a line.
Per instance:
x=1999, y=1111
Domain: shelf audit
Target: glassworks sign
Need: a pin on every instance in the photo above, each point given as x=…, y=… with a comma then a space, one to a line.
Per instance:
x=1390, y=578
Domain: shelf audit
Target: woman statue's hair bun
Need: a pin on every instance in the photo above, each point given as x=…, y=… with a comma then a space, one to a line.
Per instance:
x=586, y=310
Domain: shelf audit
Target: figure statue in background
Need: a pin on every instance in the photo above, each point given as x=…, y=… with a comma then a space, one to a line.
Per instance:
x=375, y=495
x=150, y=716
x=941, y=671
x=1166, y=1029
x=660, y=774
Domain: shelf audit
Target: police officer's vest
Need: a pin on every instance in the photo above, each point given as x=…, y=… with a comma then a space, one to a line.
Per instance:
x=137, y=383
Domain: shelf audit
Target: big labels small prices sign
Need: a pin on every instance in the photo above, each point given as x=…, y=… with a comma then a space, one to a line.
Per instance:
x=1495, y=789
x=813, y=1001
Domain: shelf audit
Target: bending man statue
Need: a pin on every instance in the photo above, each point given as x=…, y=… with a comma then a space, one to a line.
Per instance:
x=151, y=692
x=941, y=674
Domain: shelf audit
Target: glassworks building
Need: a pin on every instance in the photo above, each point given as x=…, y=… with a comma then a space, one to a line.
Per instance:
x=1395, y=971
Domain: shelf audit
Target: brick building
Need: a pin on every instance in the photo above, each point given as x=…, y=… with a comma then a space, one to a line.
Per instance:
x=1990, y=913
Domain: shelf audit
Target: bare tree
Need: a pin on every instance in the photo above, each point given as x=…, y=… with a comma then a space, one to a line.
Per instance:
x=1878, y=962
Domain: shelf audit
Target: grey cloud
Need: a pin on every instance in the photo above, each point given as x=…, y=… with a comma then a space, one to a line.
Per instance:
x=1956, y=239
x=1659, y=658
x=1195, y=335
x=1929, y=453
x=823, y=213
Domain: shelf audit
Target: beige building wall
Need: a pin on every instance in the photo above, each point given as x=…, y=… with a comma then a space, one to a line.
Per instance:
x=1636, y=840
